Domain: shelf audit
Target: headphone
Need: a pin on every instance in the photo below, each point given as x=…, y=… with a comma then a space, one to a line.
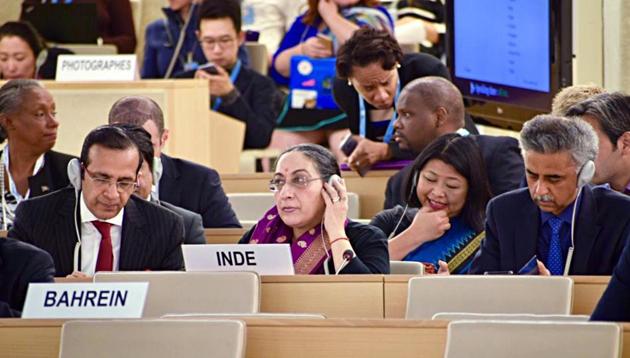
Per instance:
x=585, y=175
x=180, y=40
x=40, y=60
x=75, y=173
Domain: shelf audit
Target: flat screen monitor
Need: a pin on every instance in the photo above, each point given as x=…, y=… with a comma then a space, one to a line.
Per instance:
x=509, y=57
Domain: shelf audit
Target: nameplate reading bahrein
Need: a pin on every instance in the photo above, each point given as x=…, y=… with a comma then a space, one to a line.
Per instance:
x=262, y=259
x=85, y=300
x=96, y=68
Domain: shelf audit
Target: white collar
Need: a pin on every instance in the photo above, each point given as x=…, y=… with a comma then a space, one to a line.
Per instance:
x=87, y=216
x=39, y=164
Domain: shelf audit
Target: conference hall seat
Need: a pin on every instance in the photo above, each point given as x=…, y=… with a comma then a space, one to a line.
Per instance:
x=193, y=292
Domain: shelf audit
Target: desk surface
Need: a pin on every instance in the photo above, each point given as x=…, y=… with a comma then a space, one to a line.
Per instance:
x=280, y=338
x=370, y=296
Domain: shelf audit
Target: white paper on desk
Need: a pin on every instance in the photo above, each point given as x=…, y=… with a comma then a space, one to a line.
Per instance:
x=96, y=68
x=263, y=259
x=85, y=300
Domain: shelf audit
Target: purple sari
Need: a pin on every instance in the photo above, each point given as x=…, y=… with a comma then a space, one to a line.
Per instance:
x=308, y=251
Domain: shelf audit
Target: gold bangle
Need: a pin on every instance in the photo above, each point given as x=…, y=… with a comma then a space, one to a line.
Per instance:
x=337, y=239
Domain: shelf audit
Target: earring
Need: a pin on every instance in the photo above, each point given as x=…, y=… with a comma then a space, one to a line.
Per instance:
x=398, y=65
x=349, y=82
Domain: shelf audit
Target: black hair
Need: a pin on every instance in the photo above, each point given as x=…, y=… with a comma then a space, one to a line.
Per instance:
x=26, y=32
x=324, y=161
x=366, y=46
x=462, y=153
x=109, y=137
x=220, y=9
x=142, y=138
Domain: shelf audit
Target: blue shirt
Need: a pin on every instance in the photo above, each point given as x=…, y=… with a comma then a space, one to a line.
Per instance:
x=544, y=234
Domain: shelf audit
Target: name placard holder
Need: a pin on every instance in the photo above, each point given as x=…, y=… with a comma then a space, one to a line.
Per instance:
x=85, y=300
x=96, y=68
x=263, y=259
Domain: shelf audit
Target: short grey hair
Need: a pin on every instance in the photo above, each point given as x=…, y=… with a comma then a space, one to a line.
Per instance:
x=548, y=134
x=12, y=94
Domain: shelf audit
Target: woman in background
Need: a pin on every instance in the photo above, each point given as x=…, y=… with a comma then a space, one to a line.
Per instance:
x=24, y=54
x=317, y=34
x=448, y=192
x=310, y=214
x=28, y=165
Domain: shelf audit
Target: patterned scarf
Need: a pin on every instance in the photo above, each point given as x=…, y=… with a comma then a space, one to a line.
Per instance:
x=309, y=251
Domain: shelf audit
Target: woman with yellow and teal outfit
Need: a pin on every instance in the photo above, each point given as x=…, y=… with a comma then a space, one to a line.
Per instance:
x=445, y=212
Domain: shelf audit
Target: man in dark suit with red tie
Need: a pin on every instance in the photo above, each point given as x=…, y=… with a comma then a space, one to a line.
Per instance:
x=99, y=225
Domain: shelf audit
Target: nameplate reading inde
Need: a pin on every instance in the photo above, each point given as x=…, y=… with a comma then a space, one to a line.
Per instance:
x=85, y=300
x=96, y=68
x=263, y=259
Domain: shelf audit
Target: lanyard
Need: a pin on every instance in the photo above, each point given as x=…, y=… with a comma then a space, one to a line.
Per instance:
x=235, y=71
x=363, y=117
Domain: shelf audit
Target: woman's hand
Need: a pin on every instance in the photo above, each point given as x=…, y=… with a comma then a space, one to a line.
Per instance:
x=313, y=47
x=336, y=201
x=327, y=9
x=430, y=225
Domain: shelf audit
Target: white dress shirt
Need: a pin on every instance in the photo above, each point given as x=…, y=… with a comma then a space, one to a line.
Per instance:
x=91, y=238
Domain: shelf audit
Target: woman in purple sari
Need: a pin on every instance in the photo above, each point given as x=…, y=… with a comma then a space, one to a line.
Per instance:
x=310, y=215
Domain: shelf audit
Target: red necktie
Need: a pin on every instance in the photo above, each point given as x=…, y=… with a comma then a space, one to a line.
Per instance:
x=105, y=260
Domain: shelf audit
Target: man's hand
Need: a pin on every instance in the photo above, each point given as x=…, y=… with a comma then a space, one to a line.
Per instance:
x=78, y=275
x=220, y=84
x=542, y=270
x=367, y=153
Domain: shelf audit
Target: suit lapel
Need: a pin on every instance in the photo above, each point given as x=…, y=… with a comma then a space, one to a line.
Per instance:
x=134, y=242
x=586, y=231
x=64, y=231
x=526, y=234
x=169, y=189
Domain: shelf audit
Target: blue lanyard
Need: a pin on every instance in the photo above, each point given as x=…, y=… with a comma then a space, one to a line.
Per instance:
x=235, y=71
x=363, y=117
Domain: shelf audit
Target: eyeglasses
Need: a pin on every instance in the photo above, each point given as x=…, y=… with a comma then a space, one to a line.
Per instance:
x=223, y=42
x=299, y=182
x=122, y=186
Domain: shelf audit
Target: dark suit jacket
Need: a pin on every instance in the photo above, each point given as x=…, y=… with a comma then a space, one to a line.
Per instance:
x=21, y=264
x=198, y=189
x=504, y=166
x=602, y=228
x=53, y=175
x=615, y=303
x=151, y=235
x=193, y=227
x=257, y=105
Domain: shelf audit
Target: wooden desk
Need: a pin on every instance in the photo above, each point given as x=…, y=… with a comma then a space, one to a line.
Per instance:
x=223, y=236
x=334, y=296
x=371, y=188
x=587, y=291
x=196, y=133
x=280, y=338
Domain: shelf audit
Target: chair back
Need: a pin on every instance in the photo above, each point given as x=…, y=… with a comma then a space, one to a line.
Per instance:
x=153, y=339
x=245, y=316
x=461, y=316
x=406, y=268
x=193, y=292
x=429, y=295
x=492, y=339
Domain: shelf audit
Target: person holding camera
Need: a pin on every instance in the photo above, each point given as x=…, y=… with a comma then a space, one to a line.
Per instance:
x=235, y=90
